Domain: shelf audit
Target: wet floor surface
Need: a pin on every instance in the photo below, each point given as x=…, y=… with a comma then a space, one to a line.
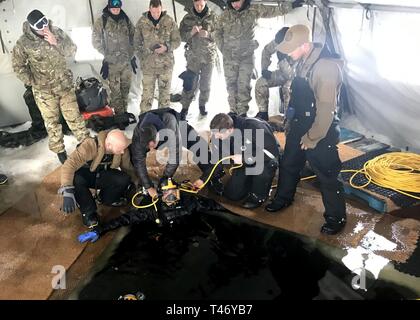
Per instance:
x=225, y=256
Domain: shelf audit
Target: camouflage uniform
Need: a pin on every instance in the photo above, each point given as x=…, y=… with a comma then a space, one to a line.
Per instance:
x=282, y=77
x=235, y=35
x=115, y=42
x=200, y=54
x=44, y=67
x=156, y=66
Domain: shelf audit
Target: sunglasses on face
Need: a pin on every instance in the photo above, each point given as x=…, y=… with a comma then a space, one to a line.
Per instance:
x=41, y=24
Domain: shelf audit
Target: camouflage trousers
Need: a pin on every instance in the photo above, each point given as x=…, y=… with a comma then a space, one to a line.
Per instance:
x=262, y=91
x=119, y=84
x=204, y=72
x=164, y=79
x=50, y=105
x=238, y=74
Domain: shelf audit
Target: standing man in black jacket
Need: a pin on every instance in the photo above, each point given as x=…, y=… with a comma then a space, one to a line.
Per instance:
x=252, y=143
x=153, y=128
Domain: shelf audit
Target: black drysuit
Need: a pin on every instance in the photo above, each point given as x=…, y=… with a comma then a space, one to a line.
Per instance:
x=186, y=206
x=185, y=136
x=255, y=153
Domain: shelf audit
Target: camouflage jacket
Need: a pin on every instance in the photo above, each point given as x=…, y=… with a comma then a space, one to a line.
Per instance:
x=235, y=30
x=115, y=42
x=41, y=65
x=147, y=36
x=202, y=48
x=285, y=65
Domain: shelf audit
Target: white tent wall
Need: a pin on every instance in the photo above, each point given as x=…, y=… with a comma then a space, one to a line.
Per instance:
x=381, y=72
x=74, y=17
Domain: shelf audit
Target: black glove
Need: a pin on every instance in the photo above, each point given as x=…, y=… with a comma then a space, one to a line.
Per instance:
x=298, y=3
x=189, y=78
x=134, y=65
x=266, y=74
x=104, y=70
x=69, y=202
x=155, y=46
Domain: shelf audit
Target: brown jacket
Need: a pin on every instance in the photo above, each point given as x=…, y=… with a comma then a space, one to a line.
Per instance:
x=91, y=151
x=325, y=78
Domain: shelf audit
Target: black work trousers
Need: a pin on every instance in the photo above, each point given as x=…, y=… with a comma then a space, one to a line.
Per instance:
x=324, y=161
x=241, y=184
x=112, y=184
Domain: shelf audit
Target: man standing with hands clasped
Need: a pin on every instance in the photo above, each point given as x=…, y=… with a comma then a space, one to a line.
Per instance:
x=314, y=131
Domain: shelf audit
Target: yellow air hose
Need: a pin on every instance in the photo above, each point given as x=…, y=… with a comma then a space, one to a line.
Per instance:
x=185, y=187
x=398, y=171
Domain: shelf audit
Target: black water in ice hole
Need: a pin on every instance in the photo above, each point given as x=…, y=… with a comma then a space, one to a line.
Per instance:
x=224, y=256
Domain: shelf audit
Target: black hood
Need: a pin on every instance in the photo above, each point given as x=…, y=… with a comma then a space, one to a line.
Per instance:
x=246, y=5
x=238, y=121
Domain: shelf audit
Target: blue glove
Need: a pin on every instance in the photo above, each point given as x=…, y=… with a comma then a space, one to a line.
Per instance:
x=69, y=202
x=104, y=70
x=134, y=65
x=91, y=236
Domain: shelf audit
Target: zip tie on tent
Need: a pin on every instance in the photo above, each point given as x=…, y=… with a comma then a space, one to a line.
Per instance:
x=367, y=11
x=397, y=171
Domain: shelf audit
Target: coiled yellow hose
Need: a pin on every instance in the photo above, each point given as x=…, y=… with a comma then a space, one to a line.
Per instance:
x=185, y=187
x=398, y=171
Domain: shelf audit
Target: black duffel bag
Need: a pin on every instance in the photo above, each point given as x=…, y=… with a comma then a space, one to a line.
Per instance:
x=91, y=96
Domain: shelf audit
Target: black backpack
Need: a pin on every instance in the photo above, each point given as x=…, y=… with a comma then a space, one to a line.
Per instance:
x=91, y=96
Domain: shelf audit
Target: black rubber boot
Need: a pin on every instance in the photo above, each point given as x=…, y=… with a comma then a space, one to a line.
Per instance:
x=62, y=156
x=203, y=111
x=184, y=113
x=175, y=97
x=90, y=220
x=253, y=201
x=216, y=186
x=333, y=225
x=120, y=203
x=3, y=179
x=275, y=206
x=262, y=115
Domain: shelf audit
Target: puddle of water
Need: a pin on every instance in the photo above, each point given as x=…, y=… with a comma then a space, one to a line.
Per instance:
x=224, y=256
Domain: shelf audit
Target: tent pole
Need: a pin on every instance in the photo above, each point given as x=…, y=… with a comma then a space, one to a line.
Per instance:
x=375, y=7
x=173, y=4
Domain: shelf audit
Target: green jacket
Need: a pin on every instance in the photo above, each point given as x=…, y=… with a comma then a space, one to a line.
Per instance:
x=41, y=65
x=114, y=41
x=235, y=32
x=147, y=36
x=201, y=48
